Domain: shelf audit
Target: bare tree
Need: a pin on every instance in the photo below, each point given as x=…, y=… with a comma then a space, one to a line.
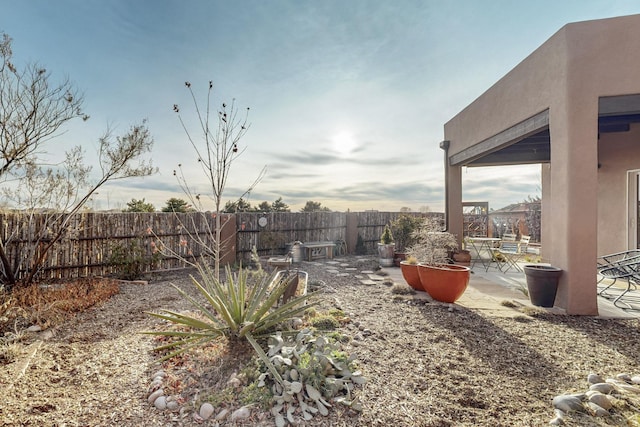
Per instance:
x=216, y=150
x=32, y=111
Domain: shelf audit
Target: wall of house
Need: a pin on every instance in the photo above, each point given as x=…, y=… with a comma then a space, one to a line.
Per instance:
x=567, y=75
x=617, y=154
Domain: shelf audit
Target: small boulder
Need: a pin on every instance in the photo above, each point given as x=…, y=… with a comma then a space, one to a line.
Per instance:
x=161, y=403
x=241, y=414
x=206, y=410
x=598, y=410
x=153, y=396
x=594, y=378
x=605, y=388
x=600, y=400
x=568, y=403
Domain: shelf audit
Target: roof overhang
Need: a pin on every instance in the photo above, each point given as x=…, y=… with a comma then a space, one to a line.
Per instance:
x=529, y=141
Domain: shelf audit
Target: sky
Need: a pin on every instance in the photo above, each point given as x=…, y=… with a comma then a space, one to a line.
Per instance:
x=348, y=98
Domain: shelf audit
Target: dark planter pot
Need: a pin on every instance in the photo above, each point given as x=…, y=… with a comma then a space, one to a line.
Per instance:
x=463, y=257
x=542, y=283
x=399, y=257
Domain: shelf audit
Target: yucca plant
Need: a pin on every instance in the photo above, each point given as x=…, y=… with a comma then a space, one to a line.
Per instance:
x=233, y=309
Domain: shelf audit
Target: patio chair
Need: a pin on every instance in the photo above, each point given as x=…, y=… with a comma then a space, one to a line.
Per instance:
x=611, y=260
x=627, y=270
x=512, y=251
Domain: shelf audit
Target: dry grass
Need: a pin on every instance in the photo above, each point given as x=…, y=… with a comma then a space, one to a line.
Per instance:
x=49, y=304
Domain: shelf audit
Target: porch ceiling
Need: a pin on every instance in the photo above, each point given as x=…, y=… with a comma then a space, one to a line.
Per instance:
x=529, y=141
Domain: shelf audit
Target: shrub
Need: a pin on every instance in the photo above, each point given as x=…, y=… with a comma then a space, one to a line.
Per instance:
x=325, y=322
x=402, y=289
x=131, y=259
x=403, y=228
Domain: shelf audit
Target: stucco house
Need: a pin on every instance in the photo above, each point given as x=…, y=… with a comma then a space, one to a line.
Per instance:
x=573, y=106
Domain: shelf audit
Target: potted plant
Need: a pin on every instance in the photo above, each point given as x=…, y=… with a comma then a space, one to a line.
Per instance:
x=403, y=228
x=409, y=269
x=442, y=280
x=386, y=248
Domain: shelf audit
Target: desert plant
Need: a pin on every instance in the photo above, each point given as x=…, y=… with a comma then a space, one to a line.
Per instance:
x=411, y=259
x=432, y=246
x=314, y=371
x=239, y=311
x=403, y=228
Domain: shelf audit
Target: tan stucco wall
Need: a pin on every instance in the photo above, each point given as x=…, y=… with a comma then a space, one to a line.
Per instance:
x=566, y=75
x=617, y=154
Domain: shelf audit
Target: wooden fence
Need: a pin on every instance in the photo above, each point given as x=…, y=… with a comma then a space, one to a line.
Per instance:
x=88, y=246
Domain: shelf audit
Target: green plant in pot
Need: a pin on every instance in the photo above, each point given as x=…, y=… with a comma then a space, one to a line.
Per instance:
x=386, y=248
x=403, y=228
x=442, y=280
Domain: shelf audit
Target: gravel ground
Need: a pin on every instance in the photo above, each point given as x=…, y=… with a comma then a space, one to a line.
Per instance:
x=427, y=364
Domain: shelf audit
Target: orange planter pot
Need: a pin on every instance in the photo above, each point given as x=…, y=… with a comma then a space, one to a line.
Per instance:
x=445, y=283
x=411, y=276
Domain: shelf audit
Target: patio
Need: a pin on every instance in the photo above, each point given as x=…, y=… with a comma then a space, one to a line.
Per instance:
x=488, y=290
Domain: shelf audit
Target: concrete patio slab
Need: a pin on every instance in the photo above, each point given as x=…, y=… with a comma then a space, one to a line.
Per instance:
x=501, y=294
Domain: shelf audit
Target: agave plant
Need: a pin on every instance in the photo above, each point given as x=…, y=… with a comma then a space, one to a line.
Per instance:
x=232, y=309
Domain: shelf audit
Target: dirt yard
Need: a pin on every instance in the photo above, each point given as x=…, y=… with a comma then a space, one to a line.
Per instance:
x=427, y=364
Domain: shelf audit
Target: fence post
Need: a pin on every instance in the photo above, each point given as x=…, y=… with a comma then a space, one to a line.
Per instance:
x=352, y=232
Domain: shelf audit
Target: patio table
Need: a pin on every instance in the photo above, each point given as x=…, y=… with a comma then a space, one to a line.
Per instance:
x=477, y=246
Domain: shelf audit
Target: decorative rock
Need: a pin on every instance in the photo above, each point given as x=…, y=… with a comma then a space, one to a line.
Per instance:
x=206, y=410
x=241, y=414
x=635, y=379
x=624, y=377
x=34, y=328
x=161, y=403
x=601, y=400
x=172, y=405
x=568, y=403
x=296, y=323
x=153, y=396
x=160, y=374
x=156, y=384
x=628, y=388
x=234, y=381
x=557, y=421
x=594, y=379
x=598, y=410
x=605, y=388
x=222, y=415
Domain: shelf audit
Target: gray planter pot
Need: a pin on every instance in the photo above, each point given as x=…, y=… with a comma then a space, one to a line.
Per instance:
x=542, y=283
x=386, y=254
